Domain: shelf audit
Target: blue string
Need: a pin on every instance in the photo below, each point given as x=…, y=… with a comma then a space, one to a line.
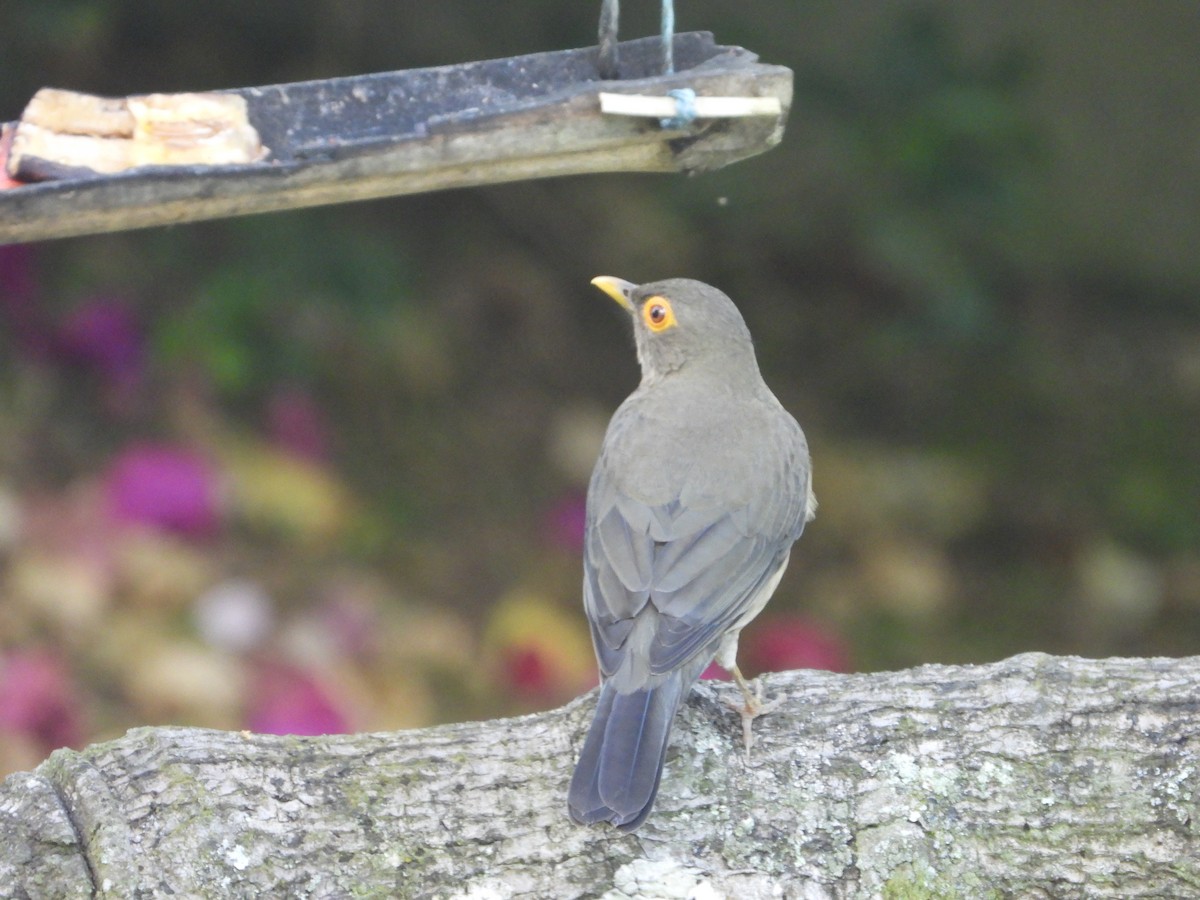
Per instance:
x=685, y=109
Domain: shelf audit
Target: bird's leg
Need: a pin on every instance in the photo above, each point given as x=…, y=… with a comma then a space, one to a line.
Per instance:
x=753, y=707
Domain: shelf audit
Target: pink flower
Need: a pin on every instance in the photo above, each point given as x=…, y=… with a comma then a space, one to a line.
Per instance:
x=528, y=672
x=286, y=699
x=715, y=673
x=297, y=425
x=165, y=487
x=784, y=642
x=38, y=699
x=537, y=648
x=350, y=617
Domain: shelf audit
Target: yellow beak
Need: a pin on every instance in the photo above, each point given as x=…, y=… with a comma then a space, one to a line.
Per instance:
x=616, y=288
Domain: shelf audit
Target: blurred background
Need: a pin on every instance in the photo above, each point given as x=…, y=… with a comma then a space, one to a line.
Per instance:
x=324, y=470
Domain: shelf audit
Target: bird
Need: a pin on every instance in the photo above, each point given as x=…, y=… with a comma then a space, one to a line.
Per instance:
x=702, y=485
x=608, y=61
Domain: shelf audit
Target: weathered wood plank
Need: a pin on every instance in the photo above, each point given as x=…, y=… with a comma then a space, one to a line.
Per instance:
x=427, y=129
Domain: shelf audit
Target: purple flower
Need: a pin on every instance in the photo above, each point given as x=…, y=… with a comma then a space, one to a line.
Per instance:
x=103, y=335
x=563, y=524
x=20, y=315
x=164, y=487
x=17, y=282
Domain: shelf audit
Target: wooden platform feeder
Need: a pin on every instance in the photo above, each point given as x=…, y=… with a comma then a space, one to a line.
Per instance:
x=427, y=129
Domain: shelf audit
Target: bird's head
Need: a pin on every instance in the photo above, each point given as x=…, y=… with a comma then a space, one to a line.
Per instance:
x=684, y=324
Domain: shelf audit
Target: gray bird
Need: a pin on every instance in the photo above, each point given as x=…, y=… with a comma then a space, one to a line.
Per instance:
x=702, y=486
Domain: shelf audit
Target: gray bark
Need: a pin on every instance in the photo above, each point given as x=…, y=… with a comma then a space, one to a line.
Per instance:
x=1033, y=777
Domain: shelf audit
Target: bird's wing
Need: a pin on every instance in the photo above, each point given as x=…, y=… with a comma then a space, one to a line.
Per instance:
x=666, y=581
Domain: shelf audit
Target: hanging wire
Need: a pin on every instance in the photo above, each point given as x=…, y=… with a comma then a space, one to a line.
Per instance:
x=668, y=36
x=608, y=62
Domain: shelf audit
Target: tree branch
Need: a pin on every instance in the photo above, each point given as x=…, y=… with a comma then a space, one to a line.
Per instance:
x=1036, y=776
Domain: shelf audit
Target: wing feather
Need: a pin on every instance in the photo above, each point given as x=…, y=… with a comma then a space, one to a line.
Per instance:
x=666, y=578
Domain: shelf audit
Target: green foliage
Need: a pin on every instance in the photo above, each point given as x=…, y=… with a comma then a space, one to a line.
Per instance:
x=285, y=300
x=944, y=159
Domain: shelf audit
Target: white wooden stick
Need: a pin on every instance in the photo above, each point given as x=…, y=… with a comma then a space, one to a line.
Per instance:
x=661, y=107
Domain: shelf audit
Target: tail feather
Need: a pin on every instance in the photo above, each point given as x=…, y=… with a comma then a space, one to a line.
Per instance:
x=583, y=798
x=619, y=768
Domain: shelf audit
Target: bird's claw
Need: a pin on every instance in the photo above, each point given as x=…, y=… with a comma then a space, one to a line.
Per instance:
x=753, y=706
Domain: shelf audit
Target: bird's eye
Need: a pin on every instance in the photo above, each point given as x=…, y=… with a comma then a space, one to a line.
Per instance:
x=657, y=314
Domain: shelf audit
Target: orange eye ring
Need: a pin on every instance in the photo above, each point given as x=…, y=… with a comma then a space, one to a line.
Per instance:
x=657, y=314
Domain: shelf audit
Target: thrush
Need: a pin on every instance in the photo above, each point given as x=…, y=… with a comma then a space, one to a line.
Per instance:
x=702, y=486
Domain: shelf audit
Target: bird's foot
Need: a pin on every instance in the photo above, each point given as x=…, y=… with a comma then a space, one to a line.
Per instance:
x=753, y=706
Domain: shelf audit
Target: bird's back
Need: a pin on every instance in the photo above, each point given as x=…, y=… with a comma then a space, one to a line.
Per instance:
x=706, y=446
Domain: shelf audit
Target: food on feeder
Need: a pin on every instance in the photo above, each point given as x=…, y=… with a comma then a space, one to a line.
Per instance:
x=65, y=133
x=193, y=129
x=70, y=112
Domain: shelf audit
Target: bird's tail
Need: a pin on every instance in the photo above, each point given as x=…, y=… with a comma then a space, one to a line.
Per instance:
x=616, y=778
